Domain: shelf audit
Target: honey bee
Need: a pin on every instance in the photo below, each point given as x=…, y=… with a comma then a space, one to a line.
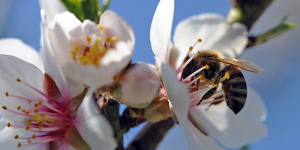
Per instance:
x=227, y=71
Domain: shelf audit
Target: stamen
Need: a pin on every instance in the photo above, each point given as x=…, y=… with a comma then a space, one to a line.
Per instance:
x=100, y=27
x=19, y=145
x=216, y=85
x=206, y=66
x=74, y=52
x=192, y=47
x=88, y=39
x=114, y=39
x=108, y=39
x=19, y=107
x=184, y=65
x=15, y=112
x=40, y=92
x=27, y=127
x=16, y=137
x=19, y=80
x=193, y=74
x=198, y=53
x=7, y=94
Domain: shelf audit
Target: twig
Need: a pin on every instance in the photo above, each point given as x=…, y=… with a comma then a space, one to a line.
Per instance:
x=247, y=12
x=277, y=30
x=128, y=122
x=151, y=135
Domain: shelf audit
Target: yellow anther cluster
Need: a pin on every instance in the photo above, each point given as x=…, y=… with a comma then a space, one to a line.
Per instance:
x=74, y=52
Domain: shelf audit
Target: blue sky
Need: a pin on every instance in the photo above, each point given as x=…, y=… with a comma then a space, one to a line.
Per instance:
x=278, y=86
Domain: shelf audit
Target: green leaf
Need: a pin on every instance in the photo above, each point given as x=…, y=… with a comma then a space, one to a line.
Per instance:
x=74, y=6
x=90, y=8
x=83, y=9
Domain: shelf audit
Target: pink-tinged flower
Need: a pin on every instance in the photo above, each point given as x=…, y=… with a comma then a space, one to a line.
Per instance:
x=138, y=86
x=89, y=53
x=47, y=111
x=220, y=122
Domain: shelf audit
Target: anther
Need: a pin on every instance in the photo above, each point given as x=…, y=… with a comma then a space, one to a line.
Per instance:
x=199, y=40
x=88, y=39
x=114, y=39
x=191, y=48
x=9, y=124
x=29, y=101
x=36, y=105
x=108, y=39
x=6, y=94
x=40, y=103
x=19, y=145
x=43, y=115
x=36, y=110
x=198, y=53
x=27, y=127
x=19, y=80
x=201, y=77
x=29, y=120
x=100, y=27
x=19, y=107
x=206, y=66
x=216, y=85
x=16, y=137
x=29, y=141
x=33, y=136
x=4, y=107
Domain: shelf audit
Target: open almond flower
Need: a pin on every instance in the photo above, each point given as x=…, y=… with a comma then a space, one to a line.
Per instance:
x=199, y=122
x=47, y=111
x=90, y=53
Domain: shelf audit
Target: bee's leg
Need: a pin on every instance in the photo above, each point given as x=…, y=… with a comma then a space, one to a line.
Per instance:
x=213, y=90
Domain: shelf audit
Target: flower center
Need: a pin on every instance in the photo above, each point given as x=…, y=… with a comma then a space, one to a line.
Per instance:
x=48, y=119
x=92, y=54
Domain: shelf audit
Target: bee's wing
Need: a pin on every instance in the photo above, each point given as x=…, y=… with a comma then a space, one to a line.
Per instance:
x=243, y=64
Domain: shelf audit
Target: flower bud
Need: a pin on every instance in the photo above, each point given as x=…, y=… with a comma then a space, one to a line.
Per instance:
x=138, y=86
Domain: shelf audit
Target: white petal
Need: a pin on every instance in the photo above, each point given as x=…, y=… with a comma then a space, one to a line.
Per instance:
x=8, y=142
x=176, y=91
x=17, y=48
x=118, y=27
x=215, y=32
x=3, y=124
x=67, y=87
x=59, y=38
x=93, y=126
x=160, y=32
x=12, y=68
x=67, y=21
x=197, y=140
x=232, y=130
x=51, y=8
